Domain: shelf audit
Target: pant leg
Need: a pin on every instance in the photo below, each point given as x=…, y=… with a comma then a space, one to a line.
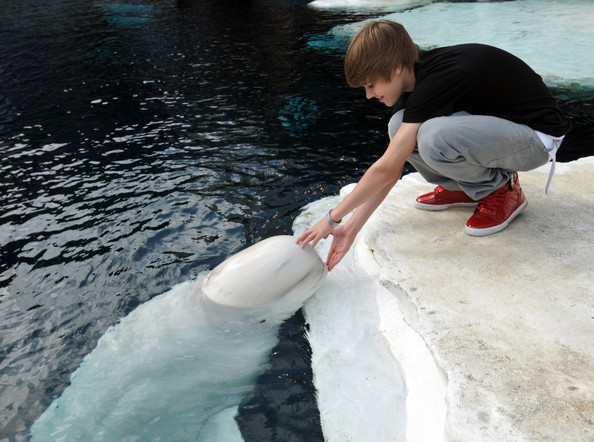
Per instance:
x=475, y=153
x=417, y=162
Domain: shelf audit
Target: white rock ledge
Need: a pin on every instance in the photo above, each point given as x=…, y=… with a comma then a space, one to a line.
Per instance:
x=508, y=318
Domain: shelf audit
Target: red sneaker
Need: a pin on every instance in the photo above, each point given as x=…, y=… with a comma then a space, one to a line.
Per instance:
x=495, y=211
x=441, y=199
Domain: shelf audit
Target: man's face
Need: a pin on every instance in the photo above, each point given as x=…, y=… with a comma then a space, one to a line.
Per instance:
x=387, y=92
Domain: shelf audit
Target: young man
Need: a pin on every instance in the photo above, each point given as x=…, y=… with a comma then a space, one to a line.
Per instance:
x=468, y=118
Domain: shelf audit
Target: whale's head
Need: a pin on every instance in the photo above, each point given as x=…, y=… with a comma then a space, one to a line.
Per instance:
x=275, y=276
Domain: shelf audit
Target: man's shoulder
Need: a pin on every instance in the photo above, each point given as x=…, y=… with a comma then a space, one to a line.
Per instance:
x=464, y=59
x=462, y=50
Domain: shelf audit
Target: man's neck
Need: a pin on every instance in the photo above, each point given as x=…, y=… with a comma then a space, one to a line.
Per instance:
x=408, y=80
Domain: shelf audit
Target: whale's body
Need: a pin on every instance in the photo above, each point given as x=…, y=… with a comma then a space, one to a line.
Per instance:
x=177, y=367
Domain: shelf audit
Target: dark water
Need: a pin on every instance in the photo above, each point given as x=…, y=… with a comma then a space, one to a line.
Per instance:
x=141, y=143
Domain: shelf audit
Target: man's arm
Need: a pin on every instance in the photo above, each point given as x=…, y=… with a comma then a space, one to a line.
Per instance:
x=344, y=235
x=369, y=192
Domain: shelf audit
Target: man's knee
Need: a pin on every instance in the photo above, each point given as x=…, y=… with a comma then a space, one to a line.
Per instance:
x=433, y=142
x=428, y=132
x=440, y=131
x=395, y=123
x=430, y=138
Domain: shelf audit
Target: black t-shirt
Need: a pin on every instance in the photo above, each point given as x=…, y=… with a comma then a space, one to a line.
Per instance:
x=481, y=80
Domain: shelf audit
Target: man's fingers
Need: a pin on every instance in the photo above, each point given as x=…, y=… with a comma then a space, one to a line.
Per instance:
x=301, y=238
x=335, y=255
x=305, y=238
x=332, y=261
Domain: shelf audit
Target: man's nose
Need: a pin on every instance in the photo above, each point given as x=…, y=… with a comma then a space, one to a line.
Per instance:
x=369, y=93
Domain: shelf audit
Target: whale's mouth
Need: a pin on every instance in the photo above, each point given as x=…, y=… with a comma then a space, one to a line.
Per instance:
x=322, y=278
x=317, y=283
x=270, y=312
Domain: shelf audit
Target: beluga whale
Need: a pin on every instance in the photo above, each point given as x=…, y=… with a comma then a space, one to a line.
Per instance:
x=177, y=367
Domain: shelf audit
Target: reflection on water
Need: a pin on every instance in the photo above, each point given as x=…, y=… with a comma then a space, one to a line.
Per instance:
x=298, y=114
x=129, y=15
x=144, y=142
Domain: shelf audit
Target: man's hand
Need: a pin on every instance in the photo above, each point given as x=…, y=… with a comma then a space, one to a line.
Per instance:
x=343, y=238
x=315, y=234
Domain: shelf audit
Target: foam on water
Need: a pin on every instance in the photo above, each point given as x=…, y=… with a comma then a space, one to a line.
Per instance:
x=554, y=38
x=375, y=378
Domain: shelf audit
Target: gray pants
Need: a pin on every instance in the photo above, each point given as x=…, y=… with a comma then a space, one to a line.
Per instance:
x=473, y=153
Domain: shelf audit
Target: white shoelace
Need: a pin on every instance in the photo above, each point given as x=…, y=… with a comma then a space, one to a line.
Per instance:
x=552, y=145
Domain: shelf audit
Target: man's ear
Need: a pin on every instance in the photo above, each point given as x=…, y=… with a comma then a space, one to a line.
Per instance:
x=397, y=70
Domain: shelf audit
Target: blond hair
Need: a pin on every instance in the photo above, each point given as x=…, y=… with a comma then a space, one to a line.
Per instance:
x=378, y=48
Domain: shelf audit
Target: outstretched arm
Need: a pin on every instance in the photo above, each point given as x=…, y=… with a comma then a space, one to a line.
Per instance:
x=344, y=235
x=366, y=196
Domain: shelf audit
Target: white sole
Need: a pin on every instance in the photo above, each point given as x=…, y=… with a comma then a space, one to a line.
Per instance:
x=437, y=207
x=499, y=227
